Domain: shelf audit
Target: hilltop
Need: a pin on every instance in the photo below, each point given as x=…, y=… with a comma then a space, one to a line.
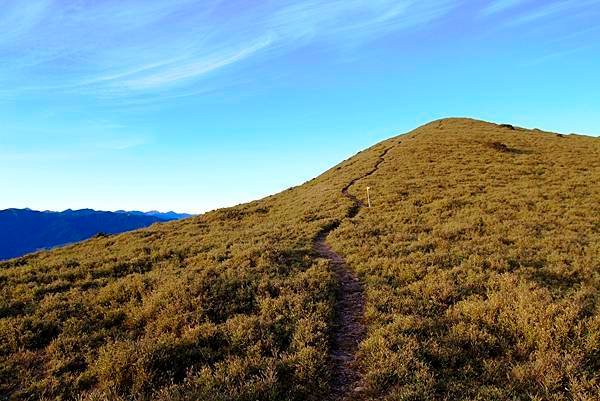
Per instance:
x=474, y=276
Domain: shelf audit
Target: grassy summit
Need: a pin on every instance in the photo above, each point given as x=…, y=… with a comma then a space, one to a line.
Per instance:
x=480, y=260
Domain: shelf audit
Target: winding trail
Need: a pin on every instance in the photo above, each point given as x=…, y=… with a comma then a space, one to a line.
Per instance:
x=349, y=329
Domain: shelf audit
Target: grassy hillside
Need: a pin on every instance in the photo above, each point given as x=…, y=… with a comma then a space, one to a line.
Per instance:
x=479, y=258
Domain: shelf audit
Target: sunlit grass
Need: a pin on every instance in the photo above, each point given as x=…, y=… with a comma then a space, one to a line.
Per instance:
x=480, y=258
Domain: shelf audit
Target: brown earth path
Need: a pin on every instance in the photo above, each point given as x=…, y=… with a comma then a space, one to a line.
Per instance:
x=349, y=329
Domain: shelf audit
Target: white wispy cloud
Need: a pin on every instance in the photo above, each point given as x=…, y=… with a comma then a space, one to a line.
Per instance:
x=499, y=6
x=563, y=8
x=307, y=20
x=83, y=136
x=552, y=56
x=177, y=72
x=122, y=142
x=123, y=48
x=19, y=18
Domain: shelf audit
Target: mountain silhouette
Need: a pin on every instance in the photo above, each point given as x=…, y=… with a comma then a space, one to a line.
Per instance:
x=24, y=230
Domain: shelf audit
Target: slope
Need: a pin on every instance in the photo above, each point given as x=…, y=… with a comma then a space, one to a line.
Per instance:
x=478, y=263
x=481, y=264
x=229, y=305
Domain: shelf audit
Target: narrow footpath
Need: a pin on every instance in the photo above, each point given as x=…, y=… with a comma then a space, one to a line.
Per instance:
x=349, y=329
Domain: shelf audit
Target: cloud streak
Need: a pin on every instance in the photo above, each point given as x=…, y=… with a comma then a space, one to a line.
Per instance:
x=564, y=8
x=17, y=19
x=500, y=6
x=177, y=72
x=127, y=48
x=362, y=20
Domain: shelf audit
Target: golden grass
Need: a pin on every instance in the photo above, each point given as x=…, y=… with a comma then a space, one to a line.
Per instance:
x=480, y=259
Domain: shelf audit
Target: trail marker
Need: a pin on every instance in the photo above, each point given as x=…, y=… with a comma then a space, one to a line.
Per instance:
x=368, y=197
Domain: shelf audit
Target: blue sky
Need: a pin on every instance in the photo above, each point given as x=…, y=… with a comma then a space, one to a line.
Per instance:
x=193, y=105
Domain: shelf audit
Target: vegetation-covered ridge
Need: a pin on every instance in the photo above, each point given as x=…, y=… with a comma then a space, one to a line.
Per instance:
x=481, y=265
x=479, y=261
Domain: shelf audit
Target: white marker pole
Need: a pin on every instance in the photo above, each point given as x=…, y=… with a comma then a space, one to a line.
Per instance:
x=368, y=197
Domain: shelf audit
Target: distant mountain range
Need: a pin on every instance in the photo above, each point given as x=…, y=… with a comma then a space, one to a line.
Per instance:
x=24, y=230
x=155, y=213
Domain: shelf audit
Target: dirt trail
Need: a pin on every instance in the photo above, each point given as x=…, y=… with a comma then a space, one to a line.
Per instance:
x=349, y=308
x=357, y=203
